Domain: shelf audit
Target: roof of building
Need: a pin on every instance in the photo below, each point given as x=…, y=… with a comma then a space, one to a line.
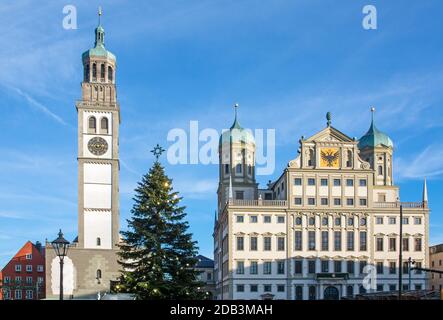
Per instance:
x=237, y=134
x=99, y=50
x=374, y=137
x=204, y=262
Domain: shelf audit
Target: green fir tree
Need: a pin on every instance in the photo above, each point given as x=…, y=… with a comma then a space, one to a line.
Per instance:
x=157, y=253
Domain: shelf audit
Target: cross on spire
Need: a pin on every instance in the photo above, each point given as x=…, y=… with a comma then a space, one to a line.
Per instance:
x=100, y=12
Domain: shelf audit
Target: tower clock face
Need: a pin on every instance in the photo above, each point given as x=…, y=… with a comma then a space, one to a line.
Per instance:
x=97, y=146
x=329, y=158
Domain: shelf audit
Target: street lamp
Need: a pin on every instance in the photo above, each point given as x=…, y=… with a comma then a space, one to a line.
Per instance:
x=410, y=263
x=61, y=246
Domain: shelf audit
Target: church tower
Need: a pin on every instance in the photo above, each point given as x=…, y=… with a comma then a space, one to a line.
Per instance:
x=98, y=149
x=236, y=165
x=378, y=149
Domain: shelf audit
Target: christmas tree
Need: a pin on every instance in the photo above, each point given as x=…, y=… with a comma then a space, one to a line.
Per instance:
x=157, y=253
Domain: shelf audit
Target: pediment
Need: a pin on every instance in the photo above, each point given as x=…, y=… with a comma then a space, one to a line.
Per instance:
x=329, y=134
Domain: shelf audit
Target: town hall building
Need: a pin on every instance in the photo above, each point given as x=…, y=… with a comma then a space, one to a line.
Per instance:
x=91, y=263
x=326, y=226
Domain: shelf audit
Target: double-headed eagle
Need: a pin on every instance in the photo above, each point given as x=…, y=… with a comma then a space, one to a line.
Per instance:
x=329, y=157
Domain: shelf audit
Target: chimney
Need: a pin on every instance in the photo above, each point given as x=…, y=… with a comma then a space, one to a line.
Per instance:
x=38, y=245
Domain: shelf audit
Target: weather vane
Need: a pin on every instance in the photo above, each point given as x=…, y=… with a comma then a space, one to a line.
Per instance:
x=157, y=151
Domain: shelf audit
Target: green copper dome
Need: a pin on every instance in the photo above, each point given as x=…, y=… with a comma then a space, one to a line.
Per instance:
x=237, y=134
x=99, y=50
x=374, y=137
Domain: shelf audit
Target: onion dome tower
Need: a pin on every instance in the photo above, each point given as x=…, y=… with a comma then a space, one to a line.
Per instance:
x=377, y=148
x=236, y=164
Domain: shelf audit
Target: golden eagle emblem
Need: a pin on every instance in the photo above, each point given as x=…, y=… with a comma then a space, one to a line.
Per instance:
x=330, y=157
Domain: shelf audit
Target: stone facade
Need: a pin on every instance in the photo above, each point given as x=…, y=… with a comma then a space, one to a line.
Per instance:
x=310, y=233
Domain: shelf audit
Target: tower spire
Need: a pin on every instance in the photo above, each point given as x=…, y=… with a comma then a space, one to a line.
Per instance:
x=99, y=31
x=373, y=115
x=99, y=15
x=425, y=194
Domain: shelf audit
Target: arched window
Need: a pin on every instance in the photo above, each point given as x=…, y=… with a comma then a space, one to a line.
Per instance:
x=99, y=242
x=350, y=291
x=102, y=72
x=239, y=168
x=380, y=170
x=110, y=74
x=87, y=72
x=94, y=71
x=104, y=125
x=99, y=274
x=92, y=125
x=311, y=158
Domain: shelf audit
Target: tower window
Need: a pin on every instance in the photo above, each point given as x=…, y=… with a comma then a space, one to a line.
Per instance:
x=110, y=74
x=226, y=168
x=99, y=274
x=380, y=170
x=104, y=125
x=239, y=168
x=102, y=72
x=249, y=169
x=349, y=159
x=99, y=242
x=87, y=71
x=94, y=71
x=92, y=125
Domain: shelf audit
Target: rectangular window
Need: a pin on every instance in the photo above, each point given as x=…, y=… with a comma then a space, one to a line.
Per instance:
x=311, y=201
x=254, y=288
x=240, y=219
x=240, y=288
x=239, y=195
x=405, y=244
x=363, y=183
x=254, y=244
x=311, y=182
x=28, y=268
x=325, y=240
x=337, y=201
x=363, y=264
x=298, y=241
x=363, y=222
x=18, y=268
x=392, y=267
x=337, y=221
x=240, y=243
x=240, y=267
x=380, y=268
x=297, y=182
x=363, y=241
x=337, y=266
x=254, y=267
x=312, y=293
x=392, y=244
x=311, y=240
x=350, y=243
x=267, y=267
x=418, y=265
x=253, y=219
x=280, y=288
x=350, y=201
x=280, y=219
x=226, y=168
x=18, y=294
x=29, y=256
x=298, y=267
x=28, y=280
x=392, y=220
x=267, y=288
x=337, y=240
x=267, y=246
x=325, y=266
x=324, y=201
x=337, y=182
x=7, y=280
x=311, y=266
x=18, y=279
x=350, y=221
x=325, y=221
x=349, y=182
x=280, y=267
x=280, y=244
x=379, y=287
x=363, y=202
x=379, y=246
x=311, y=221
x=379, y=220
x=350, y=267
x=418, y=244
x=266, y=219
x=392, y=287
x=405, y=220
x=324, y=182
x=298, y=292
x=297, y=201
x=298, y=221
x=417, y=220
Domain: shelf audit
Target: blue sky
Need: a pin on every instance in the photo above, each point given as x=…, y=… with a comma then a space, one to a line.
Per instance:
x=286, y=62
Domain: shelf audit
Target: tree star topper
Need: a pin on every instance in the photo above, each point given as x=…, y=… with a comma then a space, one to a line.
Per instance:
x=158, y=151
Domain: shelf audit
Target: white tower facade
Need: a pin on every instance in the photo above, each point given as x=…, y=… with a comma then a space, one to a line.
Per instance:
x=98, y=154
